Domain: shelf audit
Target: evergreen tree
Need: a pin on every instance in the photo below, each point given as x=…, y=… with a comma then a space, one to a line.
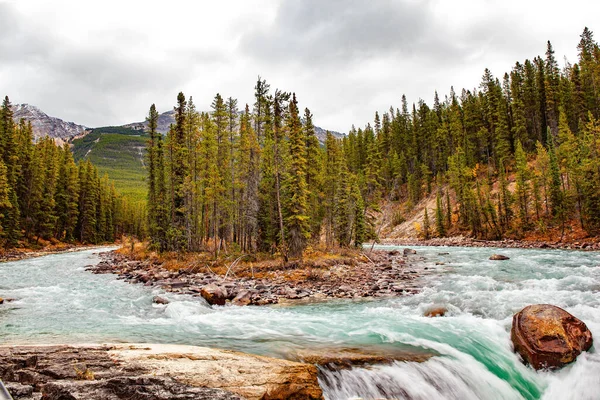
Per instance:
x=297, y=219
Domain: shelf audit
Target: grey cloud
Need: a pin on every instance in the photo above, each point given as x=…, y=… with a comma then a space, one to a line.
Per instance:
x=94, y=83
x=339, y=31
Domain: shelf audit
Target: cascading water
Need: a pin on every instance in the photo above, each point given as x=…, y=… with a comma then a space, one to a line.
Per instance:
x=57, y=301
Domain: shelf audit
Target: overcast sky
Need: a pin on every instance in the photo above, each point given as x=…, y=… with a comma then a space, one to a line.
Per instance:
x=103, y=63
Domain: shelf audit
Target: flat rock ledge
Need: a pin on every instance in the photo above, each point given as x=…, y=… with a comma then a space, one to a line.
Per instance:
x=151, y=372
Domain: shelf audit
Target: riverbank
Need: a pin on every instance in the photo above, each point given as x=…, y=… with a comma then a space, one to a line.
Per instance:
x=374, y=275
x=127, y=371
x=462, y=241
x=17, y=254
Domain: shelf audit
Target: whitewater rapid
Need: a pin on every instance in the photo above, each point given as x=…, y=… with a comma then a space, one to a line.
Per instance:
x=57, y=301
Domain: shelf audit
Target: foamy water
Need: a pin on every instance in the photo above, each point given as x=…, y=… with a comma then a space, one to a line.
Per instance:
x=58, y=302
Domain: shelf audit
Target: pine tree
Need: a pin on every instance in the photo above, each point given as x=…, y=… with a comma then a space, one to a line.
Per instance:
x=152, y=190
x=522, y=191
x=439, y=216
x=314, y=177
x=297, y=219
x=176, y=233
x=426, y=226
x=67, y=196
x=11, y=214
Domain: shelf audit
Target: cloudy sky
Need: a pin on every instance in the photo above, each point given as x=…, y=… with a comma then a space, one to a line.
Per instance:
x=104, y=63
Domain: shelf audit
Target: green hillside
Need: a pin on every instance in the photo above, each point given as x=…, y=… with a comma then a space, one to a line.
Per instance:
x=118, y=152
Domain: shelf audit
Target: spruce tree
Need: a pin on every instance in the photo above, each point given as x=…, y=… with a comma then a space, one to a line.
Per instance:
x=297, y=219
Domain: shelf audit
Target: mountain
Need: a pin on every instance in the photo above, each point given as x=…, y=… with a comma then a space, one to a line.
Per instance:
x=45, y=125
x=167, y=118
x=118, y=152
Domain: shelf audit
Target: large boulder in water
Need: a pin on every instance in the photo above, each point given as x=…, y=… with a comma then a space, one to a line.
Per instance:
x=547, y=336
x=214, y=294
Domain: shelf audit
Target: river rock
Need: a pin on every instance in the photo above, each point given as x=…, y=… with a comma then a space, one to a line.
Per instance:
x=498, y=257
x=1, y=300
x=547, y=336
x=407, y=252
x=243, y=298
x=436, y=312
x=214, y=295
x=160, y=300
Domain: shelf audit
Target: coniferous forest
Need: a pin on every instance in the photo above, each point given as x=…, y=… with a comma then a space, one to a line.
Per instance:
x=45, y=196
x=517, y=154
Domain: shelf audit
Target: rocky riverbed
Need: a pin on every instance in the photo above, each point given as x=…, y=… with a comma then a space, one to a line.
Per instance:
x=151, y=372
x=461, y=241
x=378, y=274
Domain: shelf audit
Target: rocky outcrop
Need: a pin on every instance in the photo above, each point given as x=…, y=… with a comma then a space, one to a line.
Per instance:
x=126, y=388
x=547, y=336
x=499, y=257
x=148, y=371
x=44, y=125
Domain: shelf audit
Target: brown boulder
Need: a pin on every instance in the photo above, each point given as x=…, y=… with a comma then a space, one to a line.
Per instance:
x=243, y=298
x=408, y=252
x=160, y=300
x=436, y=312
x=547, y=336
x=214, y=294
x=498, y=257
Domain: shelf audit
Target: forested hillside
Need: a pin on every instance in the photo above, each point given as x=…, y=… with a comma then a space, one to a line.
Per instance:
x=44, y=195
x=537, y=124
x=262, y=182
x=120, y=153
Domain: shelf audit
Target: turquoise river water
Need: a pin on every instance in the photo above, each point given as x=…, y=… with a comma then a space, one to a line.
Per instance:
x=57, y=301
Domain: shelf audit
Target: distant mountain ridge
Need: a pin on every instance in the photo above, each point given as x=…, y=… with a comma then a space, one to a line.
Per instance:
x=167, y=118
x=64, y=131
x=45, y=125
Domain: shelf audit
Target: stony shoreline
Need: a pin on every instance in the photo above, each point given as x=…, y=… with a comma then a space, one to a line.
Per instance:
x=20, y=254
x=461, y=241
x=381, y=274
x=151, y=371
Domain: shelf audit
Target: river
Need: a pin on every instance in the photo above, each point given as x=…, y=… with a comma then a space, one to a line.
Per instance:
x=57, y=301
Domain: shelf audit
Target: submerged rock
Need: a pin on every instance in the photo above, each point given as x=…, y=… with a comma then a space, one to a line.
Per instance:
x=214, y=295
x=160, y=300
x=498, y=257
x=346, y=358
x=436, y=312
x=407, y=252
x=547, y=336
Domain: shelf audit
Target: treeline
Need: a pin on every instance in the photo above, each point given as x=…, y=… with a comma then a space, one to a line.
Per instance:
x=45, y=195
x=519, y=153
x=257, y=180
x=514, y=155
